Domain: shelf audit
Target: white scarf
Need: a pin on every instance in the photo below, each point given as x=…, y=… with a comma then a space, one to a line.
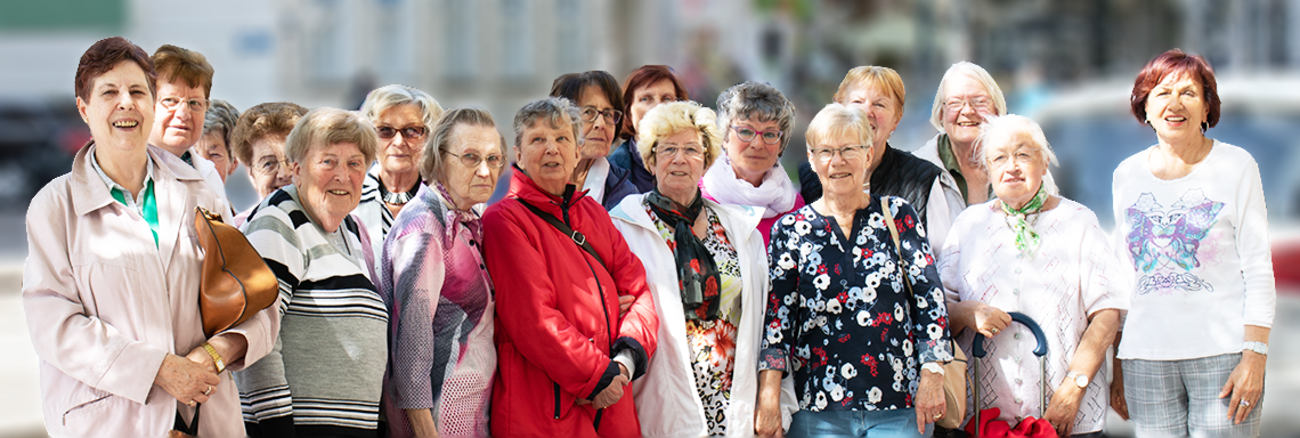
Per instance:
x=776, y=193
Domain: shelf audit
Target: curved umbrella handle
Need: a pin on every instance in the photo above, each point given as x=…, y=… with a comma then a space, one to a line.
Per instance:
x=977, y=347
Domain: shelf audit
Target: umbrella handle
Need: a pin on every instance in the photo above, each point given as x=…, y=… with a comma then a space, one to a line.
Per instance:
x=977, y=347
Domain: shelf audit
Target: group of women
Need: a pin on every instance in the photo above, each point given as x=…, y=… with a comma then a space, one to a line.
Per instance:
x=674, y=284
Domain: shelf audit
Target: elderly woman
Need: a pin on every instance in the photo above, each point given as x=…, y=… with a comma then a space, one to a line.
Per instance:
x=755, y=120
x=402, y=117
x=967, y=94
x=862, y=330
x=879, y=92
x=437, y=289
x=214, y=144
x=645, y=88
x=596, y=95
x=326, y=373
x=1191, y=212
x=1032, y=240
x=709, y=278
x=111, y=284
x=565, y=351
x=258, y=142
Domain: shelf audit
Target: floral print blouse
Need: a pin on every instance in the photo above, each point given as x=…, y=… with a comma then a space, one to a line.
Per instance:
x=839, y=315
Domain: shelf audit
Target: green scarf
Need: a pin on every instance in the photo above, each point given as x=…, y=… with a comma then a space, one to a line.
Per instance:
x=1026, y=239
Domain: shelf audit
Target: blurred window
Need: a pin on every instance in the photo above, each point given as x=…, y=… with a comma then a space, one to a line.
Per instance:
x=461, y=39
x=517, y=38
x=107, y=16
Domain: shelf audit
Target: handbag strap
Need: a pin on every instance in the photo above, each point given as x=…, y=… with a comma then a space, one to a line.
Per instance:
x=578, y=238
x=191, y=429
x=898, y=247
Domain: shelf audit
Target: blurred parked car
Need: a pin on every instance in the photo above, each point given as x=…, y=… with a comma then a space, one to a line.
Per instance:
x=38, y=139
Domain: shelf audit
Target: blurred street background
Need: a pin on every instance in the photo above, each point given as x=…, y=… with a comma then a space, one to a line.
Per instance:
x=1068, y=64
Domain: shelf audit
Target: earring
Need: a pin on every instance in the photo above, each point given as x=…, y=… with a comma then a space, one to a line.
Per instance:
x=1205, y=126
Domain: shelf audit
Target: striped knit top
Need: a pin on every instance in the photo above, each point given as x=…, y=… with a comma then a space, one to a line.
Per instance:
x=325, y=374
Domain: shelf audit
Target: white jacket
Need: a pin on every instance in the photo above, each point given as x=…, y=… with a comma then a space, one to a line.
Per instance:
x=666, y=400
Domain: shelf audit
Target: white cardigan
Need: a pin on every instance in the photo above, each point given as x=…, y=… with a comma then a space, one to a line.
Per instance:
x=666, y=400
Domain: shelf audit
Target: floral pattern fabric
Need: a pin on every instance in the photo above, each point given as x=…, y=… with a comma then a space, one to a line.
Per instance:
x=839, y=315
x=713, y=341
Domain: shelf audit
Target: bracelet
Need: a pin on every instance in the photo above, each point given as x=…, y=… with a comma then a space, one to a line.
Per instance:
x=933, y=367
x=216, y=358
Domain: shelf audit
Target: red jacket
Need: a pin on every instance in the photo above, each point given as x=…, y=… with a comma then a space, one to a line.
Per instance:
x=557, y=318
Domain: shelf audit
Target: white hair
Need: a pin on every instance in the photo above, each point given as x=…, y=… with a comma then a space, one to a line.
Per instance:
x=974, y=72
x=1002, y=129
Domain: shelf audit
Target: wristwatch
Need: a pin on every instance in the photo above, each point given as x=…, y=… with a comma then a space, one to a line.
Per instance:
x=1256, y=346
x=1078, y=378
x=933, y=367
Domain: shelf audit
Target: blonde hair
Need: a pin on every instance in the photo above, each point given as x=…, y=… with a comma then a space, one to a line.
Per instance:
x=884, y=78
x=330, y=126
x=979, y=75
x=1002, y=129
x=671, y=118
x=837, y=121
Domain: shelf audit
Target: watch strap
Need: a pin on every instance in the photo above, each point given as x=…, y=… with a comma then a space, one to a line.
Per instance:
x=216, y=357
x=1256, y=346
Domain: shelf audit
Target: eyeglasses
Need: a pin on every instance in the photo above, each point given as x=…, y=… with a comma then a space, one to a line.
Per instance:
x=612, y=116
x=472, y=160
x=850, y=153
x=747, y=134
x=409, y=132
x=195, y=105
x=981, y=104
x=271, y=166
x=671, y=150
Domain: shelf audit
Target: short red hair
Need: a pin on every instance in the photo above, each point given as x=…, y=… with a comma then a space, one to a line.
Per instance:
x=106, y=54
x=646, y=76
x=1175, y=62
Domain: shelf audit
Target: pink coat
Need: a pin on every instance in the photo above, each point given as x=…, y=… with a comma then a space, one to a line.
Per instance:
x=105, y=305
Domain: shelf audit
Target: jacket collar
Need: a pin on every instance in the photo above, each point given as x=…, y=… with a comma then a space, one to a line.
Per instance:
x=523, y=187
x=740, y=221
x=89, y=193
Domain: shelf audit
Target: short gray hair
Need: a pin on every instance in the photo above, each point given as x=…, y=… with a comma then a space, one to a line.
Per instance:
x=755, y=101
x=555, y=110
x=441, y=141
x=836, y=120
x=330, y=126
x=979, y=74
x=221, y=119
x=388, y=96
x=1000, y=129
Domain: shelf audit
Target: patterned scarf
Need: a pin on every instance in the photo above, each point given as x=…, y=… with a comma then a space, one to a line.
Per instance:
x=1026, y=239
x=697, y=274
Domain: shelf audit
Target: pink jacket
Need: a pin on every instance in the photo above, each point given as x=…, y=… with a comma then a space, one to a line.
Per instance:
x=104, y=305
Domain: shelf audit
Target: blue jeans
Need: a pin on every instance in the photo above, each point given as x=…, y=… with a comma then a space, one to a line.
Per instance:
x=893, y=423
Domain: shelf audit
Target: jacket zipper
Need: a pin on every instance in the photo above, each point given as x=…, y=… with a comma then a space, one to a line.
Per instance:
x=557, y=400
x=604, y=306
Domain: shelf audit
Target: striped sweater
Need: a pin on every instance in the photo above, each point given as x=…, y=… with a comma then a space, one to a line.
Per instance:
x=326, y=371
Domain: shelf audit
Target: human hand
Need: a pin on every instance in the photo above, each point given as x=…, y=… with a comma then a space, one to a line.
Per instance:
x=990, y=320
x=767, y=418
x=188, y=381
x=930, y=405
x=1117, y=400
x=1064, y=407
x=614, y=392
x=1245, y=386
x=624, y=303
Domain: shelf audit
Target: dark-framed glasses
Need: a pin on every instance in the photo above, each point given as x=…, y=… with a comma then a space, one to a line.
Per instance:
x=612, y=116
x=409, y=132
x=747, y=134
x=472, y=160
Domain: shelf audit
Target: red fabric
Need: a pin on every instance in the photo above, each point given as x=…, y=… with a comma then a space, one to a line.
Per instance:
x=550, y=326
x=1029, y=427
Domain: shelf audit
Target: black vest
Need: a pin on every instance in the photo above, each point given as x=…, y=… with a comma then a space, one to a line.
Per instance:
x=898, y=174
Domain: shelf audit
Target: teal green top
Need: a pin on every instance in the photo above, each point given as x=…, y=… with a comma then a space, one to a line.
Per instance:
x=145, y=203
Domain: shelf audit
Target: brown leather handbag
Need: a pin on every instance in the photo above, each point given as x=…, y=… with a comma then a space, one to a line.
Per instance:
x=236, y=282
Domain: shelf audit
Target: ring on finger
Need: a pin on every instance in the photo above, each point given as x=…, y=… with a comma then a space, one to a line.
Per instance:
x=208, y=391
x=191, y=403
x=938, y=416
x=1244, y=403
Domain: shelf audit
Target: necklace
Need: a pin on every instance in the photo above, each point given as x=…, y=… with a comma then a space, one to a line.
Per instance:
x=399, y=198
